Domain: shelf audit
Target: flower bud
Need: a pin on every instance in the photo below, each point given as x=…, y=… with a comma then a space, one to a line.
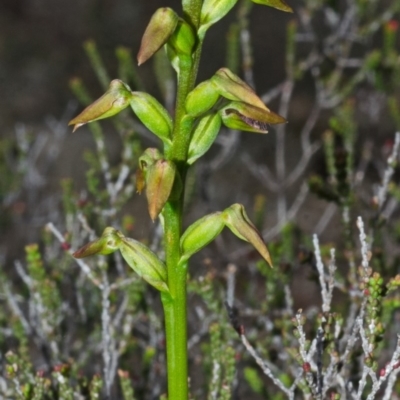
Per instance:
x=145, y=263
x=182, y=39
x=160, y=178
x=211, y=12
x=232, y=87
x=201, y=98
x=238, y=222
x=112, y=102
x=278, y=4
x=201, y=233
x=153, y=115
x=204, y=136
x=141, y=259
x=161, y=26
x=245, y=117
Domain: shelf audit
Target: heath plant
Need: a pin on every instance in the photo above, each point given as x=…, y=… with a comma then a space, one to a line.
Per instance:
x=186, y=135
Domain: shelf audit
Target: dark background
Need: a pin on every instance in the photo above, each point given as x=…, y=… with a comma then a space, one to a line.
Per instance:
x=41, y=49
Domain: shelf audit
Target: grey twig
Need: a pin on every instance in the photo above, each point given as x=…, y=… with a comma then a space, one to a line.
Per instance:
x=389, y=171
x=84, y=267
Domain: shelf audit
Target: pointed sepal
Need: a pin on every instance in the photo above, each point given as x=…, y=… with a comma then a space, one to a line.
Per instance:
x=200, y=234
x=211, y=12
x=239, y=223
x=160, y=178
x=108, y=243
x=232, y=87
x=152, y=114
x=278, y=4
x=204, y=136
x=246, y=117
x=116, y=99
x=161, y=26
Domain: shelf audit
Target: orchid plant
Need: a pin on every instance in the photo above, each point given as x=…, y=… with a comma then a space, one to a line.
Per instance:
x=200, y=111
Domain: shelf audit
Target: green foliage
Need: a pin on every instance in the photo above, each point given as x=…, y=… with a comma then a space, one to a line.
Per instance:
x=253, y=379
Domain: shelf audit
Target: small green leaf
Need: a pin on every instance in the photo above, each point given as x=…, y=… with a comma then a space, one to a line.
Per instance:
x=201, y=99
x=161, y=26
x=106, y=244
x=243, y=116
x=278, y=4
x=145, y=263
x=254, y=381
x=153, y=115
x=204, y=136
x=212, y=11
x=112, y=102
x=200, y=234
x=239, y=223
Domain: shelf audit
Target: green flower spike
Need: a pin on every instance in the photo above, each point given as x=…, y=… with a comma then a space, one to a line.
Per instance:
x=117, y=98
x=141, y=259
x=239, y=223
x=161, y=26
x=245, y=117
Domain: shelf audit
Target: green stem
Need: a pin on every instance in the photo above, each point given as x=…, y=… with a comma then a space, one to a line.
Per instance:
x=174, y=303
x=176, y=337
